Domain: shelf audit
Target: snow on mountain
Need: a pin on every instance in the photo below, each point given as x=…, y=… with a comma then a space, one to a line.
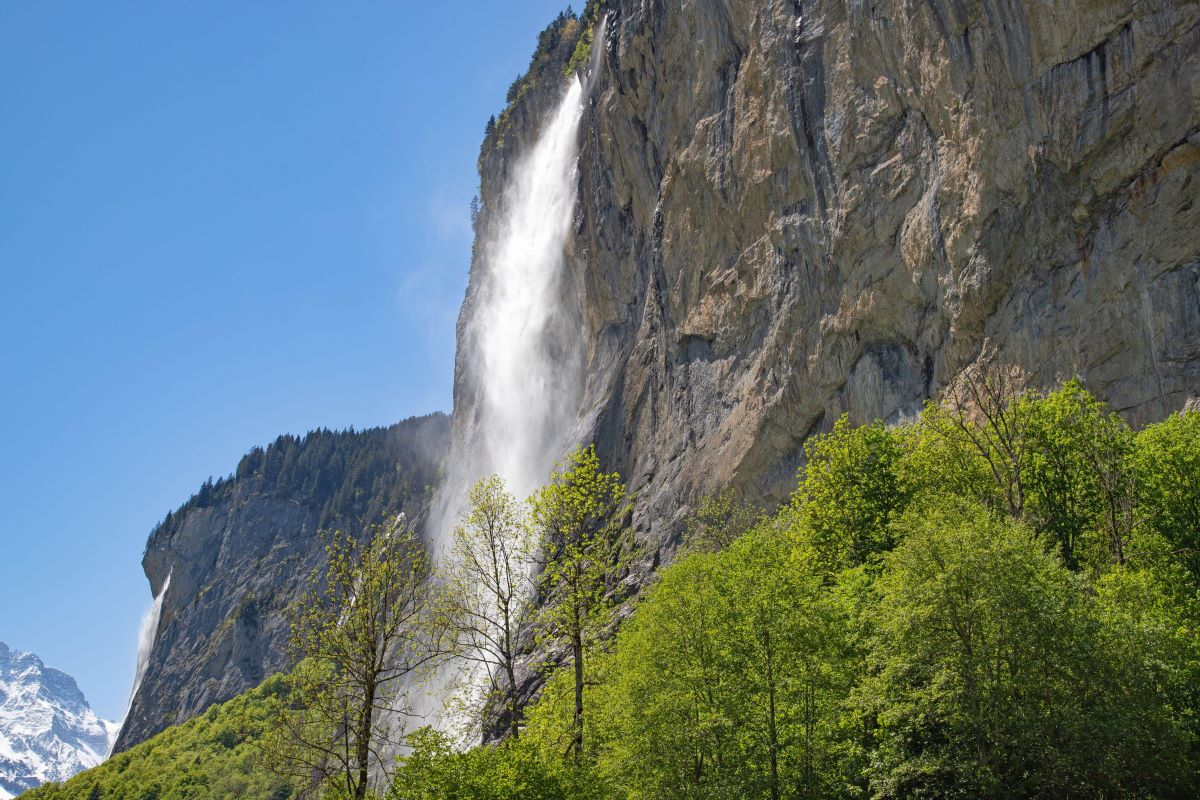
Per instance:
x=48, y=732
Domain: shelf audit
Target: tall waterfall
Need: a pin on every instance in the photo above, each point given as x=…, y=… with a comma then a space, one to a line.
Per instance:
x=146, y=636
x=529, y=360
x=521, y=350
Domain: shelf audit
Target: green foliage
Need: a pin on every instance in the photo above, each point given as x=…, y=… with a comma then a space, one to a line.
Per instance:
x=1166, y=461
x=725, y=681
x=582, y=52
x=562, y=47
x=993, y=675
x=346, y=476
x=577, y=517
x=512, y=770
x=587, y=31
x=1077, y=482
x=211, y=757
x=850, y=489
x=719, y=520
x=552, y=44
x=1059, y=462
x=364, y=625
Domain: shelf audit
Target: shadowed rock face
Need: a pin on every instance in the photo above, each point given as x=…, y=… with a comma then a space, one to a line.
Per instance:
x=237, y=555
x=792, y=210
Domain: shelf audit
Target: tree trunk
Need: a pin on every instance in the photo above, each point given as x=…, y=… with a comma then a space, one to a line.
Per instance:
x=772, y=729
x=577, y=646
x=514, y=730
x=362, y=751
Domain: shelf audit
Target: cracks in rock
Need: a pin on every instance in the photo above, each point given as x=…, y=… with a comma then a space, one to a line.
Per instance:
x=808, y=63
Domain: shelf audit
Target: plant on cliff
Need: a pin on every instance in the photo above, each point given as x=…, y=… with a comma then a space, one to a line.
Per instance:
x=563, y=29
x=363, y=625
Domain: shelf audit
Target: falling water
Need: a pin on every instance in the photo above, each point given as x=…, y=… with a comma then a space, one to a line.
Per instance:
x=528, y=365
x=522, y=349
x=146, y=636
x=521, y=354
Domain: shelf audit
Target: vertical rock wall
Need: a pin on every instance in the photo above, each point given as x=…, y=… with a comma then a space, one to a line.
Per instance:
x=793, y=210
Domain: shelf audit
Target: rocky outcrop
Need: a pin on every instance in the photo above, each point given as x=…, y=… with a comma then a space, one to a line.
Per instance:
x=237, y=554
x=793, y=210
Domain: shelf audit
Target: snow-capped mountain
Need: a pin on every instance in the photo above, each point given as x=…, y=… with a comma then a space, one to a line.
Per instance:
x=48, y=732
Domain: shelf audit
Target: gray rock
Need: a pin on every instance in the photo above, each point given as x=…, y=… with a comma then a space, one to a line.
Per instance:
x=238, y=553
x=793, y=210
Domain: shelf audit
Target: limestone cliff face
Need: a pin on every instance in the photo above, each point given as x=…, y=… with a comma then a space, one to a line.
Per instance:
x=791, y=210
x=237, y=554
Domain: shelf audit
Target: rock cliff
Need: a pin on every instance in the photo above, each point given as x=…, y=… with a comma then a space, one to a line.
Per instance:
x=237, y=553
x=790, y=210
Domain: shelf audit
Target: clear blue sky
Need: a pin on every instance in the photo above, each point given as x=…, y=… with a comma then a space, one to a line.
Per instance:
x=219, y=222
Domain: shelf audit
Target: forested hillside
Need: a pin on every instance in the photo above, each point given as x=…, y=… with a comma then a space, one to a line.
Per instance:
x=211, y=757
x=998, y=599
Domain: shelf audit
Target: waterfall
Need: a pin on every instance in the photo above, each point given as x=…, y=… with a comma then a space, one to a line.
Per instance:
x=529, y=363
x=521, y=355
x=146, y=637
x=521, y=349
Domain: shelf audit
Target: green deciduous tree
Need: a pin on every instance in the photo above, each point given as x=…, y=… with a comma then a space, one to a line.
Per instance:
x=363, y=627
x=851, y=487
x=666, y=731
x=784, y=636
x=728, y=681
x=995, y=676
x=720, y=519
x=488, y=588
x=577, y=517
x=1058, y=461
x=1167, y=467
x=1079, y=490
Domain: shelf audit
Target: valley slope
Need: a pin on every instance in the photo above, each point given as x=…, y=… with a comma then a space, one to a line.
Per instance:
x=237, y=551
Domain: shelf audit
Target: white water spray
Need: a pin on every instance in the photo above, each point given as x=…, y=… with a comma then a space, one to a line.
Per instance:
x=522, y=351
x=146, y=637
x=528, y=370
